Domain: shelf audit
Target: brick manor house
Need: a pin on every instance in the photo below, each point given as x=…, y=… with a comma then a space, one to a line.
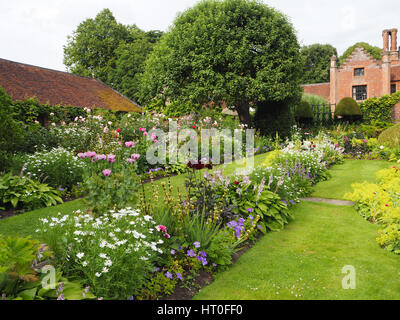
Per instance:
x=363, y=77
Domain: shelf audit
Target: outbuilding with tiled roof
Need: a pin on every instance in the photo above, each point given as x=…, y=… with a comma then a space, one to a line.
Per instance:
x=22, y=81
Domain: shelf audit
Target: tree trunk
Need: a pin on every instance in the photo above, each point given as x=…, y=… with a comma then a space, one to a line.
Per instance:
x=243, y=111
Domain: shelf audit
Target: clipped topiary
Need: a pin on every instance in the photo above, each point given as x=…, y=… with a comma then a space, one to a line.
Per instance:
x=303, y=111
x=391, y=137
x=348, y=108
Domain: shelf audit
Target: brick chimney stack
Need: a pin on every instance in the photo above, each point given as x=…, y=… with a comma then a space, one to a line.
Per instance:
x=333, y=82
x=390, y=36
x=385, y=35
x=394, y=53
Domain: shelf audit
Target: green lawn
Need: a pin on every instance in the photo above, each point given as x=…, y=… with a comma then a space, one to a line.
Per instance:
x=343, y=176
x=26, y=223
x=305, y=261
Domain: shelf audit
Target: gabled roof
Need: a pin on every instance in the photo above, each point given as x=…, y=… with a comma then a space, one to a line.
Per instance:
x=356, y=52
x=22, y=81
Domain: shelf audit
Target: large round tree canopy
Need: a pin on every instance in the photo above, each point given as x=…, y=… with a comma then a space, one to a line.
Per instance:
x=235, y=51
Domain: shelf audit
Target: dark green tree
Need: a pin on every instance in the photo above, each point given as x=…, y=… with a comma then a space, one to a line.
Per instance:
x=91, y=49
x=240, y=52
x=110, y=51
x=316, y=63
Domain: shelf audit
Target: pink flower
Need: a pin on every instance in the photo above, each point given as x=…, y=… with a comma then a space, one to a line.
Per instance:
x=90, y=154
x=100, y=157
x=135, y=156
x=106, y=172
x=145, y=133
x=111, y=158
x=129, y=144
x=82, y=155
x=162, y=228
x=155, y=140
x=130, y=160
x=167, y=235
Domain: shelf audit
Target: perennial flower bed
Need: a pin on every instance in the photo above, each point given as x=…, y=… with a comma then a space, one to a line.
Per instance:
x=146, y=250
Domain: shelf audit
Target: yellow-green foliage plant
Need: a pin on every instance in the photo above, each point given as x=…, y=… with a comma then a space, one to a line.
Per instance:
x=370, y=199
x=269, y=160
x=380, y=203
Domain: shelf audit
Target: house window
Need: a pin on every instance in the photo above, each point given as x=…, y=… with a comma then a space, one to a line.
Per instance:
x=359, y=72
x=360, y=93
x=393, y=88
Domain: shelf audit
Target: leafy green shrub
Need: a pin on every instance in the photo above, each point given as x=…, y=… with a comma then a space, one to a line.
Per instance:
x=379, y=108
x=26, y=193
x=304, y=111
x=11, y=131
x=114, y=254
x=348, y=109
x=274, y=117
x=313, y=99
x=374, y=129
x=57, y=167
x=391, y=137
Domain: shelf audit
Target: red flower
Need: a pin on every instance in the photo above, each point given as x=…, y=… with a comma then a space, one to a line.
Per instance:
x=236, y=182
x=194, y=127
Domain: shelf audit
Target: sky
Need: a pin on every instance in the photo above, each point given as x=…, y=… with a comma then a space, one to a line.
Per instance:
x=35, y=31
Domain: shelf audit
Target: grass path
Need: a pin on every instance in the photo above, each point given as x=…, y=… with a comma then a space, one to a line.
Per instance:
x=305, y=260
x=344, y=175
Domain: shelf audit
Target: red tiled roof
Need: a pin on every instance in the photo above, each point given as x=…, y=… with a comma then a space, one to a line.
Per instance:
x=22, y=81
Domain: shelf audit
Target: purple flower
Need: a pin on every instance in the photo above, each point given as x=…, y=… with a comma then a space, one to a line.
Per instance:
x=61, y=297
x=168, y=275
x=61, y=189
x=197, y=244
x=251, y=217
x=173, y=251
x=190, y=253
x=179, y=276
x=202, y=253
x=250, y=210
